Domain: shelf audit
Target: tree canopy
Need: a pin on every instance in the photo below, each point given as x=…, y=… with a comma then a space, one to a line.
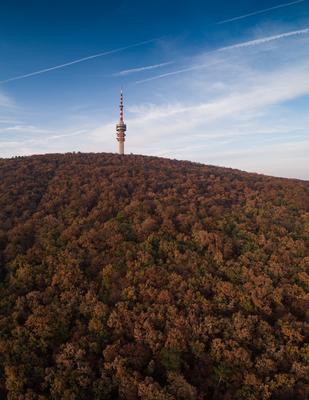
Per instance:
x=133, y=277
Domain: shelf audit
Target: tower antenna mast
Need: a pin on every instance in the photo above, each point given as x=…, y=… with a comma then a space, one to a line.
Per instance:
x=121, y=127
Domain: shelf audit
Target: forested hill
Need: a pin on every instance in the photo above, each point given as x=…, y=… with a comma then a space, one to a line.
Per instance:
x=132, y=277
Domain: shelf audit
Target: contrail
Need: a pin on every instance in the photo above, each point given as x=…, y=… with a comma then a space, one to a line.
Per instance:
x=260, y=12
x=179, y=71
x=234, y=46
x=265, y=39
x=141, y=69
x=42, y=71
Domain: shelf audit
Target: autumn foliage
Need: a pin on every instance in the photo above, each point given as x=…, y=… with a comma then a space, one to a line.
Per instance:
x=131, y=277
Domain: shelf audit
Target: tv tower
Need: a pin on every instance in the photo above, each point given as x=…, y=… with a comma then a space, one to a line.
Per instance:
x=121, y=128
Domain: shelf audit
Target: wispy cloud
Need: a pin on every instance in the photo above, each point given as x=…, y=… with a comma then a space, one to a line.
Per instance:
x=5, y=121
x=43, y=71
x=265, y=90
x=161, y=123
x=41, y=133
x=60, y=136
x=247, y=43
x=23, y=129
x=259, y=12
x=142, y=69
x=6, y=101
x=34, y=145
x=178, y=71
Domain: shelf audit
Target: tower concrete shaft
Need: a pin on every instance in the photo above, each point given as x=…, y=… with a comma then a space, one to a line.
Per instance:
x=121, y=128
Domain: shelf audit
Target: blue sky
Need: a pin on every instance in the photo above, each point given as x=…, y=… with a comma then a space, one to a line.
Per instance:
x=222, y=83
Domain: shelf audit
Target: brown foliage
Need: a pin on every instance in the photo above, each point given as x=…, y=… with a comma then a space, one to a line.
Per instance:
x=144, y=278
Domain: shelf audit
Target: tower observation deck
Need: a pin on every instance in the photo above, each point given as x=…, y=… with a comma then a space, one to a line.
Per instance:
x=121, y=128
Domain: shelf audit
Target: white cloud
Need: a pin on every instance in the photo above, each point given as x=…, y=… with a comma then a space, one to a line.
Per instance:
x=266, y=39
x=266, y=90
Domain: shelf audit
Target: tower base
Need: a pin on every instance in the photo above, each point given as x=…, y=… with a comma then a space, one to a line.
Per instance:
x=121, y=147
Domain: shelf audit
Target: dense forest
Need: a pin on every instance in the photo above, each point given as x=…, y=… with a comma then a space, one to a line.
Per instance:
x=132, y=277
